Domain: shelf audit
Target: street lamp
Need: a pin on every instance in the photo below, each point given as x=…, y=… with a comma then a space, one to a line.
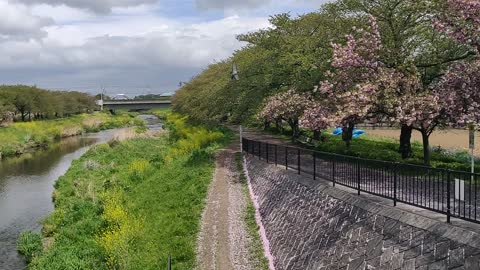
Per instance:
x=235, y=74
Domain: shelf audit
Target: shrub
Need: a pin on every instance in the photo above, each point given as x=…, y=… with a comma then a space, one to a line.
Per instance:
x=138, y=169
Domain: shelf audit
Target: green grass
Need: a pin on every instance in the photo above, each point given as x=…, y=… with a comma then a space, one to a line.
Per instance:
x=18, y=137
x=161, y=113
x=129, y=205
x=387, y=149
x=30, y=245
x=256, y=245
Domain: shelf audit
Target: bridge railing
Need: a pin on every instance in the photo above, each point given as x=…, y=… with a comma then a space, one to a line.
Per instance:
x=453, y=193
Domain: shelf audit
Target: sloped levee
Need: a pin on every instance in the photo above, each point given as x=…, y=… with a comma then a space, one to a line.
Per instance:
x=311, y=225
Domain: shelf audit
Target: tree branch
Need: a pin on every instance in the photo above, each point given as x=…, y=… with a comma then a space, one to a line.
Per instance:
x=461, y=57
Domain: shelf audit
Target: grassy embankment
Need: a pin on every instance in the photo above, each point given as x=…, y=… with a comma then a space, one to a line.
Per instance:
x=19, y=137
x=129, y=205
x=371, y=147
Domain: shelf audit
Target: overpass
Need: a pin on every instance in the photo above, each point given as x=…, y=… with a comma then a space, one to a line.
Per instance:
x=135, y=105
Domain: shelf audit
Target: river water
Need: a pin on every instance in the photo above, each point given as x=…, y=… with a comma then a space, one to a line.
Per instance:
x=26, y=187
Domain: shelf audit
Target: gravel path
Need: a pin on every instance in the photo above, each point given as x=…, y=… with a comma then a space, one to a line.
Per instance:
x=223, y=241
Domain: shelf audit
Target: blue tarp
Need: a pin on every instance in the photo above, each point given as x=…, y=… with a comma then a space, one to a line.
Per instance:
x=356, y=132
x=337, y=131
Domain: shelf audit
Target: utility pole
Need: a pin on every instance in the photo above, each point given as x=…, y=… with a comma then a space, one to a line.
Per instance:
x=241, y=139
x=101, y=99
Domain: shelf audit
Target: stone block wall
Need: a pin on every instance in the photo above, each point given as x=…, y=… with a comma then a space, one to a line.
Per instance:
x=311, y=225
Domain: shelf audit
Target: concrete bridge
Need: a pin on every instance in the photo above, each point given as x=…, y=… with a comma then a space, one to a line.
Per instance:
x=135, y=105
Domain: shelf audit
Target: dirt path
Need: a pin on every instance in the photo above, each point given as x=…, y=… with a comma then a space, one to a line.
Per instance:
x=223, y=241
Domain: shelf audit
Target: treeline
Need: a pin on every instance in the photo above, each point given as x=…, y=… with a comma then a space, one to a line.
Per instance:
x=294, y=52
x=30, y=102
x=410, y=63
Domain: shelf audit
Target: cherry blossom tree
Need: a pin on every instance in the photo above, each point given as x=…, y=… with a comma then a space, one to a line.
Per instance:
x=316, y=118
x=288, y=106
x=423, y=112
x=363, y=87
x=349, y=90
x=271, y=112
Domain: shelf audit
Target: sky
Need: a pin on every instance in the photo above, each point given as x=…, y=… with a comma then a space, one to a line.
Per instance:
x=125, y=46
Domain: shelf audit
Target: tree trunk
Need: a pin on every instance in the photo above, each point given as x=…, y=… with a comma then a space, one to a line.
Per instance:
x=295, y=129
x=316, y=135
x=348, y=134
x=266, y=125
x=426, y=148
x=279, y=126
x=405, y=141
x=23, y=115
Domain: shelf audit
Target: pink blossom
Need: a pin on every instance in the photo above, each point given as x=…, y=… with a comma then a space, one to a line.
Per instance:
x=461, y=20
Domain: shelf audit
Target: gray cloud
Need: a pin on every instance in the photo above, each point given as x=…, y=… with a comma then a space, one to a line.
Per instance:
x=97, y=6
x=231, y=4
x=16, y=22
x=159, y=58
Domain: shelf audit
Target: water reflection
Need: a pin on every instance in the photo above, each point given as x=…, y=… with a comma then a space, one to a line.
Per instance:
x=26, y=185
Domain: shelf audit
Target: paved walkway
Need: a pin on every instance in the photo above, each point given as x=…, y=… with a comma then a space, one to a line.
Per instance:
x=223, y=242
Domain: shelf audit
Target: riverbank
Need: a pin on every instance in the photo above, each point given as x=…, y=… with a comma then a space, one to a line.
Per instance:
x=131, y=204
x=24, y=136
x=26, y=187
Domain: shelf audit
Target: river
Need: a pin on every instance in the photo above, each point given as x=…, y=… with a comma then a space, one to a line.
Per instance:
x=26, y=187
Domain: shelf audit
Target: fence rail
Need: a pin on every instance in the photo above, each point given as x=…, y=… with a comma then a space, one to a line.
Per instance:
x=453, y=193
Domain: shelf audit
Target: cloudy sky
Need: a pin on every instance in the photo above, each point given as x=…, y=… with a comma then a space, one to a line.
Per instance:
x=127, y=46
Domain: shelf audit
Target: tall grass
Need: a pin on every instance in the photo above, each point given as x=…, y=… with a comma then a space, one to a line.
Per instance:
x=130, y=205
x=18, y=137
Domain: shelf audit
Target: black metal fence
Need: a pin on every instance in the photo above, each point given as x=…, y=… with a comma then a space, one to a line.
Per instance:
x=453, y=193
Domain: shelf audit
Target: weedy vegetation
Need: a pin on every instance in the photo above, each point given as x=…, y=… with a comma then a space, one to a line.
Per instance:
x=131, y=204
x=19, y=137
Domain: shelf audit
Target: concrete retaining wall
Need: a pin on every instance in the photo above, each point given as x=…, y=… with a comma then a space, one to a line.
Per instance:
x=311, y=225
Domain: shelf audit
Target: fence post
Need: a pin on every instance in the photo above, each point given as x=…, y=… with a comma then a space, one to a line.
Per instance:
x=286, y=157
x=260, y=150
x=298, y=152
x=276, y=160
x=267, y=151
x=333, y=171
x=314, y=166
x=169, y=262
x=358, y=175
x=395, y=184
x=448, y=196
